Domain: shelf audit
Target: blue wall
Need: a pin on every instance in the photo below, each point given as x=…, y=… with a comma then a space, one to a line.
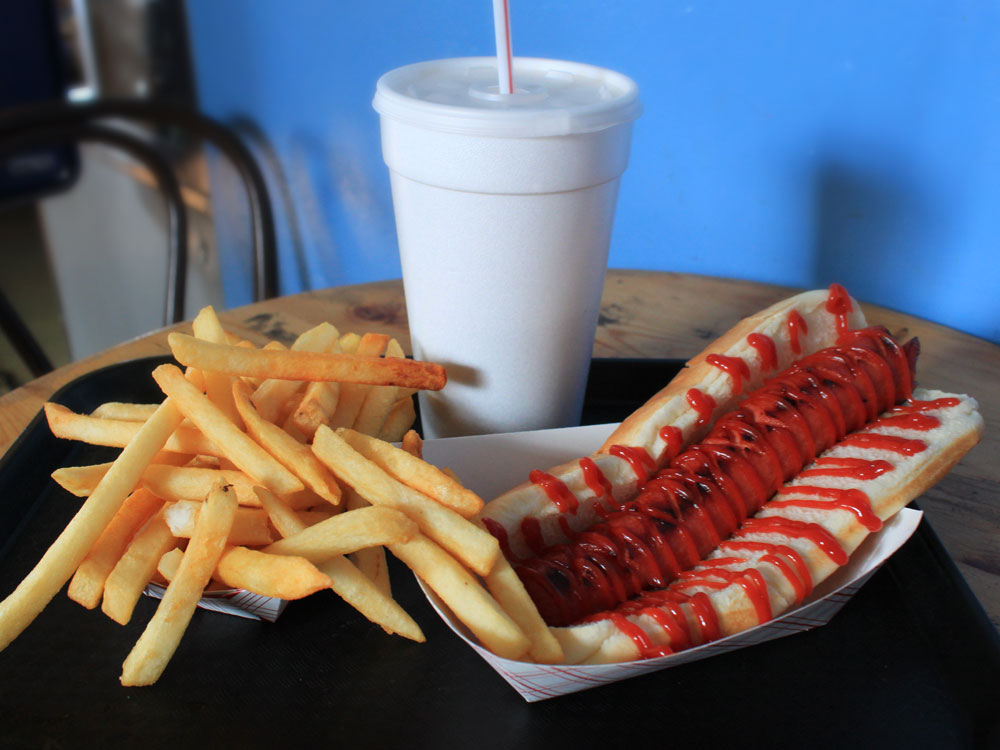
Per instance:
x=791, y=142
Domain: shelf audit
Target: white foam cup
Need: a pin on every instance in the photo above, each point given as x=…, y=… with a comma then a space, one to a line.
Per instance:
x=504, y=206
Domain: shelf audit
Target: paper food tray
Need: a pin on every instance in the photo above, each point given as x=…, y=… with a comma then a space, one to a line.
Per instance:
x=232, y=602
x=492, y=464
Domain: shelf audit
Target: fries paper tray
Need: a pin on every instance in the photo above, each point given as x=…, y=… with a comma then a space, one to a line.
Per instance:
x=491, y=464
x=232, y=602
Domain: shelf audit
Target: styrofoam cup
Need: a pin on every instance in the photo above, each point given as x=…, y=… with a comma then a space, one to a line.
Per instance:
x=504, y=206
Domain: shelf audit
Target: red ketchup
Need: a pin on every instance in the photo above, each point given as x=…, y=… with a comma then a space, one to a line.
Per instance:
x=852, y=500
x=792, y=528
x=891, y=443
x=701, y=403
x=638, y=458
x=839, y=305
x=735, y=367
x=531, y=530
x=853, y=468
x=796, y=326
x=595, y=479
x=708, y=490
x=557, y=492
x=912, y=407
x=764, y=345
x=673, y=440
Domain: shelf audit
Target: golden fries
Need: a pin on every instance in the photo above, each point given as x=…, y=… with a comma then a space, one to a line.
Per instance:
x=263, y=469
x=470, y=602
x=133, y=571
x=88, y=581
x=306, y=366
x=71, y=547
x=292, y=454
x=250, y=526
x=370, y=560
x=163, y=633
x=206, y=326
x=235, y=445
x=358, y=590
x=513, y=598
x=117, y=433
x=271, y=395
x=280, y=576
x=347, y=532
x=418, y=474
x=474, y=546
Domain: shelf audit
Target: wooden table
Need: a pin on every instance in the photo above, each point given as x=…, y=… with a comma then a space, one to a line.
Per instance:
x=654, y=315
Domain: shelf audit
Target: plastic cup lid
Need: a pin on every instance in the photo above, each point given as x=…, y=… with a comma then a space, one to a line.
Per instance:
x=551, y=97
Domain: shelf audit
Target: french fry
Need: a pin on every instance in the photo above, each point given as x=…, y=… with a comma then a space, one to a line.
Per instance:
x=292, y=454
x=469, y=601
x=379, y=400
x=285, y=520
x=218, y=386
x=169, y=562
x=87, y=584
x=349, y=342
x=317, y=406
x=505, y=586
x=350, y=583
x=415, y=473
x=352, y=395
x=399, y=420
x=67, y=552
x=136, y=567
x=472, y=545
x=370, y=560
x=160, y=639
x=80, y=480
x=413, y=444
x=124, y=411
x=116, y=433
x=346, y=532
x=175, y=483
x=234, y=444
x=280, y=576
x=355, y=588
x=289, y=365
x=249, y=528
x=273, y=393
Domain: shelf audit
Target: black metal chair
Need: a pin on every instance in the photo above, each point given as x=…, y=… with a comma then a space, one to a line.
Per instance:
x=47, y=124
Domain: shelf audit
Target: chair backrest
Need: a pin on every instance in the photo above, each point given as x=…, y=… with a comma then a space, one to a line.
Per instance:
x=112, y=123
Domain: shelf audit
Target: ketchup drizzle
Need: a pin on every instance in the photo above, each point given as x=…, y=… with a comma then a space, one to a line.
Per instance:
x=556, y=490
x=701, y=403
x=639, y=459
x=706, y=491
x=796, y=326
x=765, y=347
x=838, y=303
x=595, y=479
x=735, y=367
x=852, y=500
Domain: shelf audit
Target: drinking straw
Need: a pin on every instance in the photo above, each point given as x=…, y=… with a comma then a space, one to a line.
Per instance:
x=501, y=27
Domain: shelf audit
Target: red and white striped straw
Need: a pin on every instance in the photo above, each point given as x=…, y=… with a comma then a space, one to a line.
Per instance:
x=501, y=26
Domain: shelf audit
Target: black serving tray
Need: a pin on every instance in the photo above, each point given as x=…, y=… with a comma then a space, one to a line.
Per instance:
x=911, y=661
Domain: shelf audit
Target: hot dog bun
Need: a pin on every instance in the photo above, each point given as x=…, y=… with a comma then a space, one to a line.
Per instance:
x=817, y=330
x=960, y=427
x=557, y=505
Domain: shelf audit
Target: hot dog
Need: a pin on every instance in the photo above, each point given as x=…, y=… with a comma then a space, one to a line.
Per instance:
x=693, y=473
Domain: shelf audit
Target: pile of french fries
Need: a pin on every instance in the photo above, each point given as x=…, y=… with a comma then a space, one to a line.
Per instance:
x=272, y=470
